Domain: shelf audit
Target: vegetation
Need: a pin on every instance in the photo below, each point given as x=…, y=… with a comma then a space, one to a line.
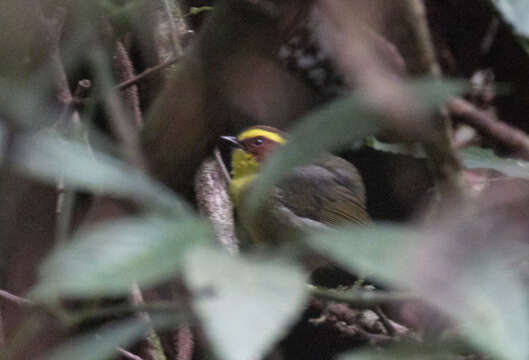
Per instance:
x=118, y=237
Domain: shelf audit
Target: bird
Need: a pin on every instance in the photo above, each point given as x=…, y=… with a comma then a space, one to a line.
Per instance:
x=325, y=193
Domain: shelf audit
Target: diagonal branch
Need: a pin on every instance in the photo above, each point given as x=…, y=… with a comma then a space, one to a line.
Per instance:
x=15, y=299
x=445, y=164
x=134, y=80
x=491, y=128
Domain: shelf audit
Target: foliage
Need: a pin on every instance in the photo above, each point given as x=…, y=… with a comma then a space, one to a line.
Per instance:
x=266, y=294
x=515, y=12
x=237, y=296
x=109, y=259
x=247, y=303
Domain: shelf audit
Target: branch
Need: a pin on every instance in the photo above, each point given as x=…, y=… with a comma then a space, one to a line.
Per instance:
x=174, y=33
x=155, y=306
x=211, y=184
x=16, y=299
x=123, y=111
x=124, y=70
x=151, y=343
x=91, y=314
x=185, y=343
x=149, y=71
x=446, y=166
x=490, y=127
x=360, y=325
x=128, y=355
x=65, y=203
x=415, y=17
x=358, y=298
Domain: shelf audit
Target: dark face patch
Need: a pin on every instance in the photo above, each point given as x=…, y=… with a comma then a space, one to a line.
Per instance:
x=259, y=146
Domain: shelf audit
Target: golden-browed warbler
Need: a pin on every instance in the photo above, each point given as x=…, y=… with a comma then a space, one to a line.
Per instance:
x=329, y=191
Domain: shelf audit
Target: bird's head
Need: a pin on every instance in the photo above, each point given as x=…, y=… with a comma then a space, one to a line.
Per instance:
x=251, y=147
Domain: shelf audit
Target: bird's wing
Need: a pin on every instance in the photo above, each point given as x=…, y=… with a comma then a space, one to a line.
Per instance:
x=329, y=191
x=325, y=193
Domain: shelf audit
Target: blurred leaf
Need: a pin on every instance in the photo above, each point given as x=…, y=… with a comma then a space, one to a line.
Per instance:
x=515, y=12
x=25, y=106
x=396, y=353
x=197, y=10
x=102, y=343
x=414, y=149
x=381, y=250
x=48, y=157
x=109, y=258
x=337, y=125
x=245, y=304
x=488, y=318
x=475, y=157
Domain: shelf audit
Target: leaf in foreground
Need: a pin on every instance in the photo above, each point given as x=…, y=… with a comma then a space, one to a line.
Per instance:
x=109, y=258
x=517, y=13
x=49, y=158
x=338, y=125
x=245, y=305
x=481, y=291
x=476, y=157
x=397, y=353
x=102, y=343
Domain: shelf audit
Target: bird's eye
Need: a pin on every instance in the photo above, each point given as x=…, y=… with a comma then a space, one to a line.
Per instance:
x=258, y=141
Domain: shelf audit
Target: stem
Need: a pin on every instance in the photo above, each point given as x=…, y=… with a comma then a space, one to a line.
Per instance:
x=446, y=166
x=149, y=71
x=360, y=298
x=158, y=306
x=490, y=127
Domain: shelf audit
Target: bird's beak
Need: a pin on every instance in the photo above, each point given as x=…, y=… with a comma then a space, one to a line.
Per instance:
x=232, y=140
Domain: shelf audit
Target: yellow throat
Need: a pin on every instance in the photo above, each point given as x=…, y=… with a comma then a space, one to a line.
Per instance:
x=244, y=165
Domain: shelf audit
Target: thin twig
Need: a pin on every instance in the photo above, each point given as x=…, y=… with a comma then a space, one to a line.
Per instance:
x=358, y=298
x=128, y=354
x=66, y=99
x=356, y=323
x=437, y=143
x=415, y=14
x=80, y=316
x=123, y=128
x=385, y=321
x=185, y=343
x=149, y=71
x=490, y=36
x=490, y=127
x=124, y=70
x=151, y=342
x=156, y=306
x=65, y=195
x=175, y=42
x=2, y=332
x=55, y=29
x=16, y=299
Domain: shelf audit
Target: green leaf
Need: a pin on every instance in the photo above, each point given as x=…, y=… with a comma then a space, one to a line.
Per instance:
x=108, y=259
x=472, y=290
x=515, y=12
x=475, y=157
x=49, y=158
x=396, y=353
x=337, y=125
x=414, y=149
x=197, y=10
x=245, y=304
x=382, y=250
x=102, y=343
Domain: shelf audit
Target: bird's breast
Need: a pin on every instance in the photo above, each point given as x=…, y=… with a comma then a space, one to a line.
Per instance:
x=238, y=186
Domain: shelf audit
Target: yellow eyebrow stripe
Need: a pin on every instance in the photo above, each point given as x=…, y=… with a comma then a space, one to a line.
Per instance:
x=248, y=134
